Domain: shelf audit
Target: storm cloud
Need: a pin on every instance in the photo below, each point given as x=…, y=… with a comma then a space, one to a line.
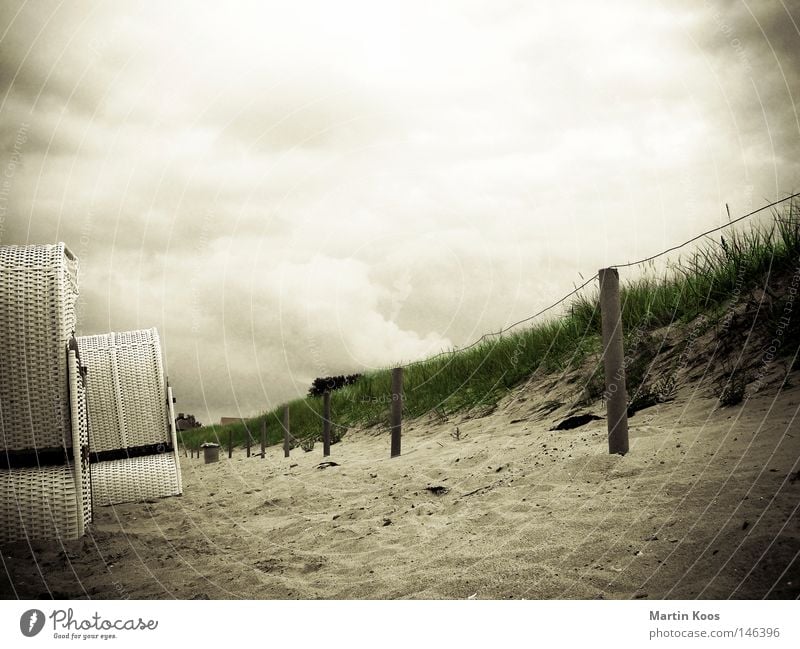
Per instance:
x=289, y=190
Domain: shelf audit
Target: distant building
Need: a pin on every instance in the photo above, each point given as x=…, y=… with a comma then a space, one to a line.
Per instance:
x=224, y=421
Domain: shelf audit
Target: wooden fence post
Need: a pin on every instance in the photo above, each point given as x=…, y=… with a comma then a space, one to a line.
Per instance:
x=264, y=438
x=286, y=431
x=396, y=417
x=326, y=423
x=247, y=439
x=616, y=395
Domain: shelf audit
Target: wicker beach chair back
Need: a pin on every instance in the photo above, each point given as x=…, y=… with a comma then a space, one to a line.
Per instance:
x=134, y=451
x=38, y=291
x=127, y=391
x=45, y=488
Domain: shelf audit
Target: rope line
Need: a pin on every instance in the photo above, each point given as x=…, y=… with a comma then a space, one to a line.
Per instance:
x=504, y=329
x=591, y=279
x=705, y=234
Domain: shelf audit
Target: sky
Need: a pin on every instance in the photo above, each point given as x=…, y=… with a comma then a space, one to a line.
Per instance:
x=297, y=189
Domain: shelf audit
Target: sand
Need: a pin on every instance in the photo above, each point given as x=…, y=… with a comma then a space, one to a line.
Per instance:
x=704, y=505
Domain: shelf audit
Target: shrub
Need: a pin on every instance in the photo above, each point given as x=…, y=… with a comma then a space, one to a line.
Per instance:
x=331, y=383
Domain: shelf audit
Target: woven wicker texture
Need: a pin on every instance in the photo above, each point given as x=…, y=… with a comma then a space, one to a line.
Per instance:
x=38, y=290
x=135, y=479
x=39, y=503
x=51, y=502
x=126, y=389
x=127, y=400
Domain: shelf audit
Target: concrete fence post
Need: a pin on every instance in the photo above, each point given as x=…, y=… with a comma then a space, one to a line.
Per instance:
x=326, y=423
x=286, y=431
x=616, y=395
x=396, y=416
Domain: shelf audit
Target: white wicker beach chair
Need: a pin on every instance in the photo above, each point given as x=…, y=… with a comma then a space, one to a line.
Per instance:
x=44, y=473
x=133, y=446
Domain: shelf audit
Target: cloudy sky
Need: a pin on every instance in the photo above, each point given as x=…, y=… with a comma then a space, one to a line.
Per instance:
x=295, y=189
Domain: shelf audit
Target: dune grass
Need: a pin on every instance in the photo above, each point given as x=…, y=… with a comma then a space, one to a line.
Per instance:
x=700, y=283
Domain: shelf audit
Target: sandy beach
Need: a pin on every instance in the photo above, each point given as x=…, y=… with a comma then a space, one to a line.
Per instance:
x=705, y=505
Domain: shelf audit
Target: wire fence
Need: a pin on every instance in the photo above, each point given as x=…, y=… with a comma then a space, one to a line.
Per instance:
x=507, y=328
x=576, y=290
x=706, y=233
x=290, y=438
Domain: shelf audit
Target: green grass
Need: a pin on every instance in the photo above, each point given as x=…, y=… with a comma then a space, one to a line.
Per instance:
x=701, y=283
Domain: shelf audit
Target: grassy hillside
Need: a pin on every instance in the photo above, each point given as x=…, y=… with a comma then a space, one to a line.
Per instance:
x=767, y=253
